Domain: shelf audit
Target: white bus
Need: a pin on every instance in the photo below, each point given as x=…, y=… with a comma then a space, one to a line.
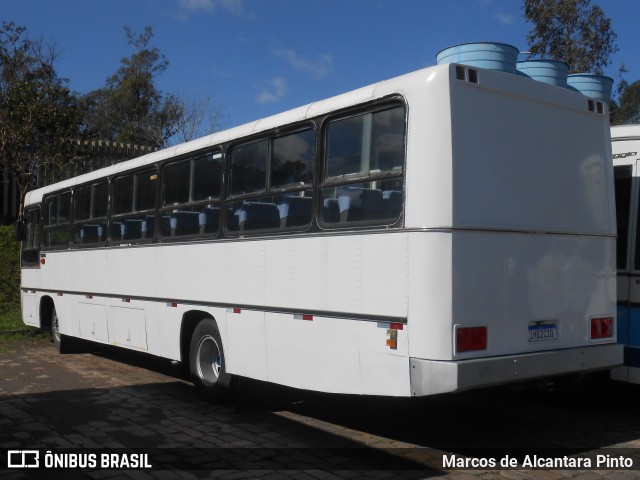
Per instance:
x=626, y=155
x=448, y=229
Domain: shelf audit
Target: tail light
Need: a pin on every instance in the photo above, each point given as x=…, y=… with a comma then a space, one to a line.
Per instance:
x=601, y=328
x=469, y=339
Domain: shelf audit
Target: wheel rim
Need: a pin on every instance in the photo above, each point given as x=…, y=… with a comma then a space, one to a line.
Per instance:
x=55, y=328
x=209, y=360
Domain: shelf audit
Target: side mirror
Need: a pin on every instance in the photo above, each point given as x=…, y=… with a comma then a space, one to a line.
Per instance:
x=19, y=231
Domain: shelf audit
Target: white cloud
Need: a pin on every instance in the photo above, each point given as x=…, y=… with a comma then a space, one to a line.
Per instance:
x=319, y=67
x=504, y=18
x=276, y=90
x=189, y=7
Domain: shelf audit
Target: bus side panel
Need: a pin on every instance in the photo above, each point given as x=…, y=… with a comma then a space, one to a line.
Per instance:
x=336, y=355
x=430, y=283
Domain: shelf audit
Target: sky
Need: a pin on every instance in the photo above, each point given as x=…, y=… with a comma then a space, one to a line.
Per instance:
x=255, y=58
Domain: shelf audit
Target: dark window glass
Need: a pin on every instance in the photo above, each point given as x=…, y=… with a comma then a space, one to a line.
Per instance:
x=82, y=203
x=122, y=195
x=134, y=193
x=30, y=247
x=175, y=183
x=249, y=168
x=292, y=159
x=371, y=202
x=100, y=200
x=623, y=206
x=366, y=144
x=206, y=177
x=32, y=237
x=290, y=210
x=56, y=233
x=145, y=191
x=91, y=201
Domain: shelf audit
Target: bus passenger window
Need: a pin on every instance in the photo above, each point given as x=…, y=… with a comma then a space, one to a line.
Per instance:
x=249, y=168
x=90, y=214
x=57, y=223
x=364, y=160
x=292, y=159
x=133, y=217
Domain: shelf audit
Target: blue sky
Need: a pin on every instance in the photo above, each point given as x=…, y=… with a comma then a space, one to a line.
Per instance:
x=256, y=58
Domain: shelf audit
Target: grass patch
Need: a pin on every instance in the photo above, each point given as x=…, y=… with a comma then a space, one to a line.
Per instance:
x=12, y=329
x=11, y=320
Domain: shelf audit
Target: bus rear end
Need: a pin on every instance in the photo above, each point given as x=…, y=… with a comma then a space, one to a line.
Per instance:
x=526, y=271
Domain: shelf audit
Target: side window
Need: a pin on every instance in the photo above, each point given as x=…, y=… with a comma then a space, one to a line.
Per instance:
x=622, y=177
x=271, y=185
x=191, y=196
x=90, y=214
x=31, y=245
x=363, y=169
x=249, y=168
x=57, y=221
x=133, y=215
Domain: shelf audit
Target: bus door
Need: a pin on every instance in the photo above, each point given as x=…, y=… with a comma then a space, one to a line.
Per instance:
x=628, y=266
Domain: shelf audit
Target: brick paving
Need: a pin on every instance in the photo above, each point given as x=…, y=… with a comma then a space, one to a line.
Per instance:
x=132, y=403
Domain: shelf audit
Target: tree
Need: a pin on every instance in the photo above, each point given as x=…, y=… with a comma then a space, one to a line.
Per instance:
x=130, y=109
x=40, y=122
x=572, y=31
x=627, y=109
x=197, y=117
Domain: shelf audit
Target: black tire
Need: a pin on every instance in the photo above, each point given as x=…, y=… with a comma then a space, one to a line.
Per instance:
x=56, y=337
x=207, y=362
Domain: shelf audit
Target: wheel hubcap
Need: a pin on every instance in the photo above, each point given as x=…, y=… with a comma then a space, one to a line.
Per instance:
x=209, y=360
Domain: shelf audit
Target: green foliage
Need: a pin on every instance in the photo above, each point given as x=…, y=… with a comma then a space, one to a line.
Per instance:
x=130, y=109
x=627, y=109
x=9, y=271
x=571, y=31
x=40, y=123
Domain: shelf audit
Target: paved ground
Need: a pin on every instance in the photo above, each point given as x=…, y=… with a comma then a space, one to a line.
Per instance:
x=129, y=403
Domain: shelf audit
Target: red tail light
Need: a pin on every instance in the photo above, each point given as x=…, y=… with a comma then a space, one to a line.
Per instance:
x=471, y=338
x=601, y=328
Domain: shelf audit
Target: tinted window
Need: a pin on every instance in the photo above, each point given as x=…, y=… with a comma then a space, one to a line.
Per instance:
x=249, y=168
x=366, y=144
x=292, y=159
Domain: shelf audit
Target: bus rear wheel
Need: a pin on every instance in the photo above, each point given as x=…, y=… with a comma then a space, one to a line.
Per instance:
x=56, y=337
x=207, y=363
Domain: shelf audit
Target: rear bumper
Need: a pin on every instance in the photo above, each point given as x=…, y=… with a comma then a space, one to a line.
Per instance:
x=429, y=377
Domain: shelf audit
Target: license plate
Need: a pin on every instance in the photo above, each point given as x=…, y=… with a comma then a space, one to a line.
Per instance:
x=542, y=331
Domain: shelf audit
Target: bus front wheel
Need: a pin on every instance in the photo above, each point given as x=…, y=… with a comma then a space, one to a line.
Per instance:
x=207, y=363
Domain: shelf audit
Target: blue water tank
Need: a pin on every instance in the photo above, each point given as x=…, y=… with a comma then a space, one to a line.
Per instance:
x=592, y=85
x=552, y=72
x=490, y=55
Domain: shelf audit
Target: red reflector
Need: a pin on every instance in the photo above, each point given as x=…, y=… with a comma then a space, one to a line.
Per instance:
x=307, y=317
x=174, y=304
x=601, y=328
x=396, y=326
x=470, y=339
x=126, y=300
x=43, y=261
x=237, y=310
